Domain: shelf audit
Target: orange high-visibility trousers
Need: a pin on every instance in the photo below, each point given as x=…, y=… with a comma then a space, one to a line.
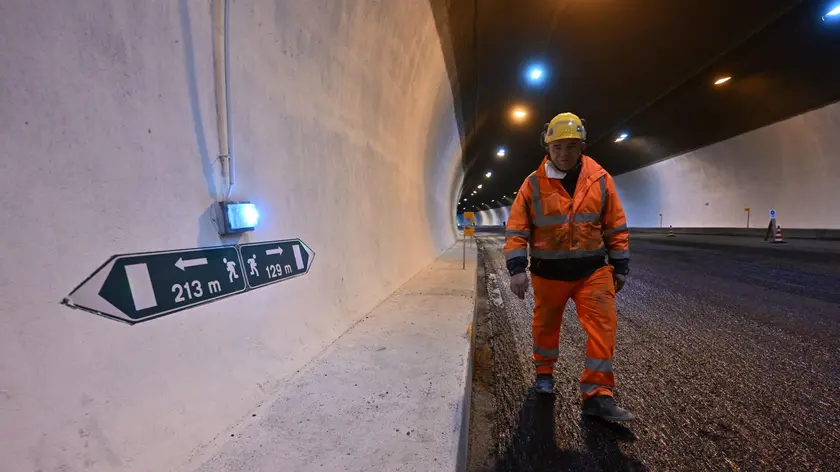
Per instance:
x=594, y=297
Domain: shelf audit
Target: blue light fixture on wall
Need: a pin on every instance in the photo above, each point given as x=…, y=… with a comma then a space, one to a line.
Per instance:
x=833, y=14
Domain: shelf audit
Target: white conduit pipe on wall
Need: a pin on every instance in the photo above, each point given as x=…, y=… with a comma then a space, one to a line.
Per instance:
x=222, y=53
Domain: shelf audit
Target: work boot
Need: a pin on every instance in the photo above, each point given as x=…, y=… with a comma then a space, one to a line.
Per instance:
x=604, y=407
x=545, y=384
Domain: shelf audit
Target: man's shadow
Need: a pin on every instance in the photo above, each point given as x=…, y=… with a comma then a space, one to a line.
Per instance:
x=534, y=445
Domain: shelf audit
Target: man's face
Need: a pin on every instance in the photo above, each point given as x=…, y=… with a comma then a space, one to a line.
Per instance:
x=564, y=153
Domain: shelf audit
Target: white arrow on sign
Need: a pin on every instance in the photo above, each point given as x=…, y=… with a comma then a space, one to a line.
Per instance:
x=272, y=252
x=183, y=264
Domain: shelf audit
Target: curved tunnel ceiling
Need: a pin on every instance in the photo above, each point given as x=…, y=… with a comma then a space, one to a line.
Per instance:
x=644, y=67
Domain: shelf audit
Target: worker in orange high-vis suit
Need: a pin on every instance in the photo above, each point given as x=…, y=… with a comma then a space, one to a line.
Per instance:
x=569, y=213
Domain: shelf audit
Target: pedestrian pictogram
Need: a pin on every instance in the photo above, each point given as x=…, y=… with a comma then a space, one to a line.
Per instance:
x=231, y=269
x=252, y=266
x=275, y=261
x=139, y=287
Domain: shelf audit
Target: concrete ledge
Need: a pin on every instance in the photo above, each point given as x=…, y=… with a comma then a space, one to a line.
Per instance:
x=792, y=233
x=466, y=420
x=390, y=394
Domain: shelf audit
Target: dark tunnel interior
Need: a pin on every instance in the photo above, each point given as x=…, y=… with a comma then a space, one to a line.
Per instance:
x=642, y=67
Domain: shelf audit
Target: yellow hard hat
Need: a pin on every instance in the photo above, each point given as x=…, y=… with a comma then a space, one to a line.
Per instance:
x=564, y=126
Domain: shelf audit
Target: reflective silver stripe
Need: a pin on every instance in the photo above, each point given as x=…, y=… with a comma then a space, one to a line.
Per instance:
x=513, y=234
x=516, y=253
x=617, y=229
x=590, y=388
x=568, y=254
x=600, y=365
x=603, y=180
x=539, y=218
x=586, y=217
x=536, y=198
x=550, y=353
x=619, y=254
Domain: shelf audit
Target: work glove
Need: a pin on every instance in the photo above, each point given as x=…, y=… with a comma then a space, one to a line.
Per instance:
x=519, y=284
x=619, y=280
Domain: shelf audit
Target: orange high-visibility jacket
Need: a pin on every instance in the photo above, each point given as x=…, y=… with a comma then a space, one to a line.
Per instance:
x=559, y=226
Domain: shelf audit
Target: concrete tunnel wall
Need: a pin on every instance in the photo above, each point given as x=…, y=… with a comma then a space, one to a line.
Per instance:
x=345, y=136
x=792, y=166
x=494, y=217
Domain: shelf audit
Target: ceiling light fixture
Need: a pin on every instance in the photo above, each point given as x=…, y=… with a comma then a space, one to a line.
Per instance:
x=501, y=152
x=833, y=13
x=722, y=80
x=480, y=186
x=535, y=74
x=488, y=174
x=622, y=137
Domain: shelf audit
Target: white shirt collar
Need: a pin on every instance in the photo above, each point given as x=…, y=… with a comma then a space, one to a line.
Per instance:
x=552, y=172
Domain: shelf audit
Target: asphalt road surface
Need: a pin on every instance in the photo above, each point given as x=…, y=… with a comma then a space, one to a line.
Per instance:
x=727, y=355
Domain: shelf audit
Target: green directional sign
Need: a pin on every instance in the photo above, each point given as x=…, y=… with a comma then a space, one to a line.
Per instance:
x=275, y=261
x=139, y=287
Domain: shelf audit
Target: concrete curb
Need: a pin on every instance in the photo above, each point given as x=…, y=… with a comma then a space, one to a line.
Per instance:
x=480, y=302
x=789, y=233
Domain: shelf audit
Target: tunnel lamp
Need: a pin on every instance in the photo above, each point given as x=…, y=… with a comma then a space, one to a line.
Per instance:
x=834, y=13
x=621, y=137
x=488, y=174
x=722, y=80
x=501, y=152
x=535, y=74
x=519, y=114
x=479, y=187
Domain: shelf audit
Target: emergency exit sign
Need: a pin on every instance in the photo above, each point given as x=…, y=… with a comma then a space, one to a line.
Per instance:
x=138, y=287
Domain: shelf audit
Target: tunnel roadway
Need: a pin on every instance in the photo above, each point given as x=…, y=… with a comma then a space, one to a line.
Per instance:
x=727, y=354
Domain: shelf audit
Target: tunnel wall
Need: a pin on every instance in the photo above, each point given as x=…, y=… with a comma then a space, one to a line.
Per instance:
x=494, y=217
x=345, y=136
x=792, y=166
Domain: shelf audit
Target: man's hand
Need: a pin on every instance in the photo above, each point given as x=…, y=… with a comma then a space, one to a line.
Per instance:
x=519, y=285
x=619, y=280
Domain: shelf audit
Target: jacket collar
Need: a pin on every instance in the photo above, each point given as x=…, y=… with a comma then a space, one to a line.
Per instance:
x=553, y=172
x=590, y=170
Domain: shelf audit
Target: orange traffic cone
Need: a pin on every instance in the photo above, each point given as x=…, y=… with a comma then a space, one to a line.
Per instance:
x=671, y=232
x=778, y=238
